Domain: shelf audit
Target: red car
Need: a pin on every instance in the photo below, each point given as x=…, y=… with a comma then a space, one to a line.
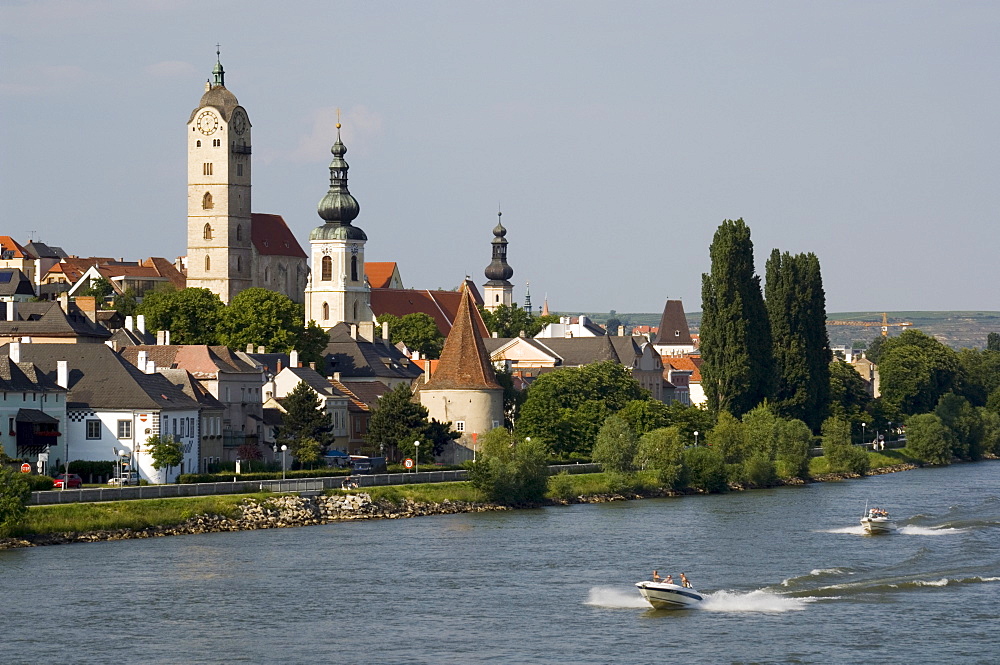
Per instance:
x=74, y=481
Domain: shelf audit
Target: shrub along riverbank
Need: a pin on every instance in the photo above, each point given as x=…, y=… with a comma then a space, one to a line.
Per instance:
x=118, y=520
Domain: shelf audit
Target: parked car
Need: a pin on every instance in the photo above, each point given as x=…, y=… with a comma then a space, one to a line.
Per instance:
x=73, y=482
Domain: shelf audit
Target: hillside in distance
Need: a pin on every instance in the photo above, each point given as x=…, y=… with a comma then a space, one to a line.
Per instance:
x=957, y=329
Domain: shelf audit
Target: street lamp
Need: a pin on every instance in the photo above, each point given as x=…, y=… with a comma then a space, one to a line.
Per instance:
x=863, y=439
x=283, y=449
x=696, y=438
x=416, y=445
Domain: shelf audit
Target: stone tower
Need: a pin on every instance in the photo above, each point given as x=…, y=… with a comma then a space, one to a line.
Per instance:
x=219, y=253
x=498, y=291
x=337, y=290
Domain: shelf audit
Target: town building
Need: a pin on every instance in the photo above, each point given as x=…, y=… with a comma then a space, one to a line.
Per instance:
x=673, y=338
x=32, y=410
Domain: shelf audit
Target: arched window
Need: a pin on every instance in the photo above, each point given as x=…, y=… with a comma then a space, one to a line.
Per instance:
x=239, y=262
x=355, y=310
x=267, y=275
x=208, y=263
x=207, y=203
x=327, y=269
x=326, y=312
x=239, y=232
x=197, y=144
x=354, y=269
x=208, y=230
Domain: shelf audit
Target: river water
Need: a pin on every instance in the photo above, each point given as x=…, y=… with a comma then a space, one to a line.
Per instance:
x=788, y=575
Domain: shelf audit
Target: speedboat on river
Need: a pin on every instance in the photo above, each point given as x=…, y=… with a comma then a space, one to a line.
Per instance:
x=876, y=521
x=665, y=596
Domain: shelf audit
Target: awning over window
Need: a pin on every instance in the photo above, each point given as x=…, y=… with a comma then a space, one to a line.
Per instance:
x=35, y=416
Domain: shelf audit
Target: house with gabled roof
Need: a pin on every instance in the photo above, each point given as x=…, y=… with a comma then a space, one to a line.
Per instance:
x=52, y=322
x=32, y=409
x=684, y=375
x=15, y=285
x=569, y=326
x=363, y=396
x=333, y=402
x=383, y=275
x=137, y=276
x=13, y=255
x=355, y=355
x=112, y=405
x=464, y=390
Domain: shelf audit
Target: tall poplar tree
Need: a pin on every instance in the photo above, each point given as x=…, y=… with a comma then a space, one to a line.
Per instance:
x=796, y=309
x=738, y=367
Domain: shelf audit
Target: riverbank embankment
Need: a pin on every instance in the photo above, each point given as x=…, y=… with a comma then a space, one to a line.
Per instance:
x=286, y=511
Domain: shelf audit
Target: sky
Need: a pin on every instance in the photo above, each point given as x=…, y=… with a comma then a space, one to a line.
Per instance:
x=614, y=136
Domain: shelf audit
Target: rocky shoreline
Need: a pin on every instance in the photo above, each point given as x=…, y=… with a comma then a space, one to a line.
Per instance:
x=293, y=511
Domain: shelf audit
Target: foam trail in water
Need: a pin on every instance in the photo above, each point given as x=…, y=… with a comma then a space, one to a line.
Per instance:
x=754, y=601
x=609, y=596
x=857, y=530
x=928, y=531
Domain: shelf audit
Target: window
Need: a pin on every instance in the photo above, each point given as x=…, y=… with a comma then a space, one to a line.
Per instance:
x=208, y=263
x=354, y=268
x=206, y=168
x=496, y=423
x=207, y=231
x=93, y=429
x=124, y=429
x=267, y=272
x=239, y=264
x=239, y=169
x=459, y=425
x=207, y=204
x=239, y=232
x=327, y=269
x=197, y=144
x=326, y=312
x=216, y=143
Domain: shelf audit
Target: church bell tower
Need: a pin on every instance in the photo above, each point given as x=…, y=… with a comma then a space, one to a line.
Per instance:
x=498, y=291
x=219, y=251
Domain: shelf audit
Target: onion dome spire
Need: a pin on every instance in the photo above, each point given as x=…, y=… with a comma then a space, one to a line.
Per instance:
x=218, y=73
x=338, y=208
x=498, y=272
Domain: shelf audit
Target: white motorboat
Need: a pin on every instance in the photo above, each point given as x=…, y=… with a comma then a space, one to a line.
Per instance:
x=876, y=521
x=664, y=596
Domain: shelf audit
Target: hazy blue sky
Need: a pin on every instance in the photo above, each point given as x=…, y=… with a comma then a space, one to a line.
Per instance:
x=615, y=136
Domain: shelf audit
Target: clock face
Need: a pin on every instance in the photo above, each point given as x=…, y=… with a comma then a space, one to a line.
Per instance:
x=240, y=123
x=208, y=122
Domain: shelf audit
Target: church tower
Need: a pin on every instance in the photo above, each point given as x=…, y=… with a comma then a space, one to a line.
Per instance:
x=498, y=291
x=337, y=290
x=219, y=251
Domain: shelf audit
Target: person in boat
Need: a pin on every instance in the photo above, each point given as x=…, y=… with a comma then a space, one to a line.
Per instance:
x=685, y=582
x=656, y=577
x=670, y=579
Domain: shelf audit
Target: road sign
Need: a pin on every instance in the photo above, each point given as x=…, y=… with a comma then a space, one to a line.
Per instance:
x=408, y=463
x=25, y=468
x=881, y=437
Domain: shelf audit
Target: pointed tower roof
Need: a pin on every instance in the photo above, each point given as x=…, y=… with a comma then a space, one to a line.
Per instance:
x=545, y=306
x=673, y=325
x=499, y=271
x=339, y=208
x=216, y=93
x=464, y=363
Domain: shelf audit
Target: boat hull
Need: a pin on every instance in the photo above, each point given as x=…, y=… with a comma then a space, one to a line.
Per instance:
x=877, y=525
x=665, y=596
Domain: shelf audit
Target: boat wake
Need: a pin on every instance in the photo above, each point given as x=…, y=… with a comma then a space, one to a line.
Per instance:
x=913, y=530
x=615, y=598
x=752, y=601
x=855, y=530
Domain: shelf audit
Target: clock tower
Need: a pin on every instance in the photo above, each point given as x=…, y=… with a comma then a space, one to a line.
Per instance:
x=337, y=290
x=219, y=253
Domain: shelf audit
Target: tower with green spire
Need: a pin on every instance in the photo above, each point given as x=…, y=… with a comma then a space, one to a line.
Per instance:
x=337, y=290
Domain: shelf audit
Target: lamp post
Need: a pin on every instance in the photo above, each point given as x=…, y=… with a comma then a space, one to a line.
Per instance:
x=283, y=449
x=416, y=454
x=863, y=440
x=696, y=438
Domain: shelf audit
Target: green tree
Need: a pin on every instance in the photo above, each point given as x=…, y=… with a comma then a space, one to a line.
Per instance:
x=434, y=437
x=15, y=492
x=100, y=288
x=396, y=422
x=841, y=455
x=260, y=317
x=312, y=343
x=796, y=309
x=729, y=439
x=980, y=372
x=126, y=303
x=849, y=396
x=304, y=420
x=508, y=472
x=512, y=397
x=991, y=430
x=308, y=451
x=706, y=469
x=165, y=451
x=736, y=349
x=512, y=321
x=662, y=451
x=993, y=342
x=567, y=407
x=417, y=331
x=615, y=446
x=916, y=370
x=646, y=415
x=874, y=350
x=794, y=443
x=965, y=424
x=191, y=315
x=760, y=426
x=928, y=439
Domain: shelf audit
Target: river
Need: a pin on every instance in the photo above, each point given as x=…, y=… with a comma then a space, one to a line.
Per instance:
x=788, y=576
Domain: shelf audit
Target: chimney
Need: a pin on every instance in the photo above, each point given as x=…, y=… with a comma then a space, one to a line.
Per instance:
x=88, y=305
x=312, y=366
x=336, y=377
x=140, y=323
x=260, y=349
x=366, y=329
x=150, y=367
x=140, y=360
x=278, y=367
x=129, y=323
x=621, y=331
x=14, y=351
x=293, y=359
x=62, y=374
x=354, y=331
x=427, y=371
x=64, y=301
x=12, y=311
x=249, y=347
x=161, y=337
x=166, y=337
x=385, y=331
x=495, y=335
x=522, y=334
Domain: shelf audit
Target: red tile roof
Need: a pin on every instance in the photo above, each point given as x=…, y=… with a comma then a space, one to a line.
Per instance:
x=271, y=235
x=8, y=244
x=379, y=273
x=442, y=306
x=689, y=363
x=464, y=363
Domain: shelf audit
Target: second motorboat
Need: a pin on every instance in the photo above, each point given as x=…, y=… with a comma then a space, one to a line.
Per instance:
x=666, y=596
